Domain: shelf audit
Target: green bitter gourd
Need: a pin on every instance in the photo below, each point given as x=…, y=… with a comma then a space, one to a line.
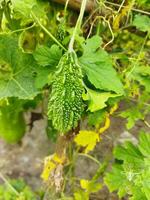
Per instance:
x=65, y=104
x=61, y=31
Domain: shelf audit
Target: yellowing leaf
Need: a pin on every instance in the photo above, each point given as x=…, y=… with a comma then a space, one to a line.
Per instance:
x=113, y=109
x=97, y=100
x=106, y=125
x=90, y=186
x=87, y=139
x=80, y=195
x=120, y=16
x=84, y=184
x=50, y=164
x=58, y=159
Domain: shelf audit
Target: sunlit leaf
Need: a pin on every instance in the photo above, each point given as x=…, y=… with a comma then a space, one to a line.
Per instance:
x=87, y=139
x=97, y=100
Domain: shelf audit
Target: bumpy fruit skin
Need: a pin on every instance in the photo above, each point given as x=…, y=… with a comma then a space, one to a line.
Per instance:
x=65, y=104
x=61, y=31
x=12, y=129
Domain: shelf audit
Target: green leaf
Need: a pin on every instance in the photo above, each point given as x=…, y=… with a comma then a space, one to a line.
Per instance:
x=144, y=144
x=137, y=194
x=80, y=195
x=96, y=118
x=133, y=169
x=97, y=100
x=129, y=154
x=90, y=186
x=43, y=77
x=24, y=191
x=142, y=22
x=144, y=3
x=21, y=67
x=98, y=67
x=142, y=75
x=132, y=115
x=116, y=180
x=22, y=10
x=92, y=45
x=46, y=56
x=12, y=123
x=146, y=182
x=48, y=59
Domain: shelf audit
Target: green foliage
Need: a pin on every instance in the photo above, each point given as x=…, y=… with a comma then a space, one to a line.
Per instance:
x=61, y=31
x=23, y=10
x=132, y=115
x=97, y=100
x=16, y=190
x=98, y=67
x=142, y=22
x=131, y=173
x=17, y=68
x=96, y=118
x=46, y=56
x=141, y=74
x=65, y=104
x=12, y=123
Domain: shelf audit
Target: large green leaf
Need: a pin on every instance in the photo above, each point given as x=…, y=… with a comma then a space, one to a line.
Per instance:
x=97, y=100
x=116, y=180
x=133, y=114
x=12, y=123
x=132, y=173
x=142, y=75
x=20, y=68
x=144, y=144
x=98, y=67
x=46, y=56
x=142, y=22
x=23, y=10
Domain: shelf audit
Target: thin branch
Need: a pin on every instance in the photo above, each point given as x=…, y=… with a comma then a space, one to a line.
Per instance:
x=46, y=31
x=109, y=26
x=90, y=157
x=133, y=9
x=134, y=100
x=78, y=24
x=9, y=185
x=121, y=6
x=147, y=124
x=138, y=58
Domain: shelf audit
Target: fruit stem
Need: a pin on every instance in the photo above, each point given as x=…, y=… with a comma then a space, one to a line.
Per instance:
x=78, y=25
x=46, y=31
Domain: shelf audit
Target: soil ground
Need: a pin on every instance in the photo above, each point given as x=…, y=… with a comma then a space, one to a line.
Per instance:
x=25, y=160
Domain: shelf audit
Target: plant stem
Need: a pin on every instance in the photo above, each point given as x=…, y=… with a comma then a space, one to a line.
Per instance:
x=90, y=157
x=78, y=24
x=9, y=185
x=66, y=6
x=46, y=31
x=134, y=9
x=100, y=170
x=139, y=55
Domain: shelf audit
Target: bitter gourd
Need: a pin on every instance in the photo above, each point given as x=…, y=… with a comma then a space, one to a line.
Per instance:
x=65, y=104
x=61, y=31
